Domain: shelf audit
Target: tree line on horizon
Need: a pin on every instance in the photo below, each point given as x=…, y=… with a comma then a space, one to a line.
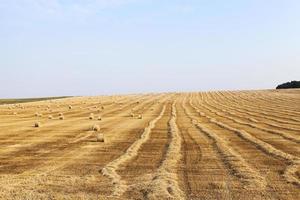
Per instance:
x=287, y=85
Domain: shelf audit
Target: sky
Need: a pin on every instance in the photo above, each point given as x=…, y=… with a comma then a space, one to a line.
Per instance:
x=96, y=47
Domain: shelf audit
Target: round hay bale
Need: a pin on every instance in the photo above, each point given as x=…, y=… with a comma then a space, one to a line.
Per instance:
x=37, y=124
x=100, y=137
x=96, y=127
x=91, y=116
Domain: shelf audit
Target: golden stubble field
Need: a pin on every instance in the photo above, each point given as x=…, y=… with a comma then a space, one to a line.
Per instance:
x=210, y=145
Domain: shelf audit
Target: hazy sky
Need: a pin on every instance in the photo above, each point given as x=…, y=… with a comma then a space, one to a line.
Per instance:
x=91, y=47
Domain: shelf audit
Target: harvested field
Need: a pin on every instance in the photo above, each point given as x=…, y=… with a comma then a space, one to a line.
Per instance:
x=208, y=145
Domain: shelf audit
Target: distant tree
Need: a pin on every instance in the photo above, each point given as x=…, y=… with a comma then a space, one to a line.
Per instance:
x=287, y=85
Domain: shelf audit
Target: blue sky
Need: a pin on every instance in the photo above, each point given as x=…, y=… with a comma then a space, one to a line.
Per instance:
x=93, y=47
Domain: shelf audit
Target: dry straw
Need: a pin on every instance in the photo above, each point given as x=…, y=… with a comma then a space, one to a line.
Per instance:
x=38, y=114
x=37, y=124
x=100, y=137
x=91, y=116
x=96, y=127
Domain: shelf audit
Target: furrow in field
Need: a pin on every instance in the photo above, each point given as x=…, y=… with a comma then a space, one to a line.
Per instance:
x=149, y=157
x=51, y=143
x=82, y=154
x=204, y=174
x=210, y=146
x=265, y=108
x=163, y=183
x=236, y=163
x=291, y=170
x=281, y=140
x=269, y=166
x=235, y=117
x=76, y=112
x=263, y=119
x=294, y=163
x=268, y=96
x=256, y=113
x=23, y=135
x=110, y=170
x=273, y=105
